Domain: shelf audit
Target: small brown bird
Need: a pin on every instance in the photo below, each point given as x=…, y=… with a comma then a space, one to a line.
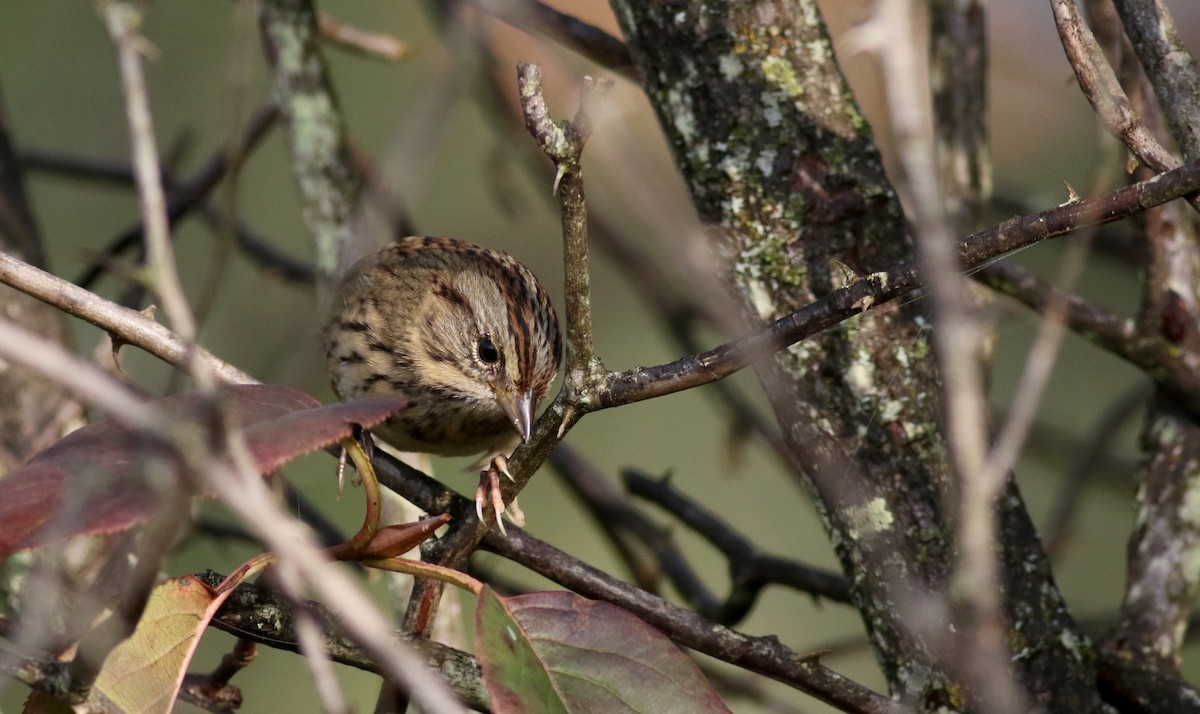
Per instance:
x=466, y=333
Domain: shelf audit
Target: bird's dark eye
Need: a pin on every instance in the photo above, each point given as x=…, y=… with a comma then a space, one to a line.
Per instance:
x=487, y=350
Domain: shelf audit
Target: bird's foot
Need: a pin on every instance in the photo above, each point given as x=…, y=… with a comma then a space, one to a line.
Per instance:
x=489, y=493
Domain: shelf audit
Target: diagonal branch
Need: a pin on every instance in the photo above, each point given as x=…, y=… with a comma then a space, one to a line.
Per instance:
x=1171, y=68
x=877, y=288
x=538, y=18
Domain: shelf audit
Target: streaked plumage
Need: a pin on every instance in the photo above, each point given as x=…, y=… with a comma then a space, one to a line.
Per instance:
x=466, y=333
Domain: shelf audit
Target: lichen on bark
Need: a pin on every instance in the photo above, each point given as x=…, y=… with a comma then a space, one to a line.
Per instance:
x=778, y=158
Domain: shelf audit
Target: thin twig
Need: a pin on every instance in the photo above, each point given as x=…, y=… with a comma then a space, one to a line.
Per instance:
x=125, y=325
x=123, y=19
x=1099, y=84
x=537, y=18
x=1171, y=68
x=764, y=655
x=230, y=472
x=875, y=289
x=355, y=39
x=183, y=198
x=563, y=143
x=623, y=525
x=749, y=568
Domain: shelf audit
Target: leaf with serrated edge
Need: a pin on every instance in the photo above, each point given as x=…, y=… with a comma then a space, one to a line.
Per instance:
x=559, y=652
x=105, y=478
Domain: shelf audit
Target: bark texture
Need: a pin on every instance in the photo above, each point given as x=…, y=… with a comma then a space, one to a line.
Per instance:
x=779, y=159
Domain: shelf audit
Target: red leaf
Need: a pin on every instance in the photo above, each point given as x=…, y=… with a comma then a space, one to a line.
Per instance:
x=559, y=652
x=392, y=541
x=106, y=478
x=274, y=442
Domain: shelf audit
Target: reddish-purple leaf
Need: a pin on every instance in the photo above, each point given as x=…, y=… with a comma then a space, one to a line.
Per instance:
x=396, y=540
x=276, y=441
x=559, y=652
x=105, y=478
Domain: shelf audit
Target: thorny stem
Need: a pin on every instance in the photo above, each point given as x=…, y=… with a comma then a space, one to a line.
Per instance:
x=874, y=289
x=563, y=142
x=126, y=326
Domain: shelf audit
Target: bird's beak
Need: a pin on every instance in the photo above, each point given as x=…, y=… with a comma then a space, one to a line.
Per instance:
x=518, y=408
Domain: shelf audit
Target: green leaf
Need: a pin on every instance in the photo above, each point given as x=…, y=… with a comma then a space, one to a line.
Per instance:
x=143, y=674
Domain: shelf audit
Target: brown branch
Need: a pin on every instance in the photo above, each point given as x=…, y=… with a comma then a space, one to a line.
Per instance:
x=185, y=197
x=263, y=616
x=537, y=18
x=359, y=41
x=764, y=655
x=1103, y=91
x=877, y=288
x=1169, y=66
x=125, y=325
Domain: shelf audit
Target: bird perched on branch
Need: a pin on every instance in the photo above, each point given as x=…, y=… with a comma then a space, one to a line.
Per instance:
x=466, y=333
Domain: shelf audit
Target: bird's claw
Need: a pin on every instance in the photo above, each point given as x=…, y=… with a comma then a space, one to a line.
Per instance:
x=489, y=491
x=500, y=463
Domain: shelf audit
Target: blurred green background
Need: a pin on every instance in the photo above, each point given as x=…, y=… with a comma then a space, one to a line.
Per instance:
x=205, y=71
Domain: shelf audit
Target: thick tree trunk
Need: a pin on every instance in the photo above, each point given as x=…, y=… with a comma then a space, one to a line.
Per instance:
x=778, y=156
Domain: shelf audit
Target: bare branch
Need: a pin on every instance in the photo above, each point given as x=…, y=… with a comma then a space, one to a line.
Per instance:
x=765, y=655
x=1099, y=84
x=123, y=19
x=355, y=39
x=1171, y=68
x=321, y=163
x=537, y=18
x=184, y=198
x=125, y=325
x=878, y=288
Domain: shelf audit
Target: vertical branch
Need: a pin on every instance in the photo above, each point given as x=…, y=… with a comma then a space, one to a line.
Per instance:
x=958, y=81
x=958, y=341
x=328, y=183
x=1162, y=570
x=1170, y=67
x=563, y=143
x=123, y=20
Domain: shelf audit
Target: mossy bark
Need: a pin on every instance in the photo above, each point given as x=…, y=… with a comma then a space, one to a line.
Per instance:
x=780, y=161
